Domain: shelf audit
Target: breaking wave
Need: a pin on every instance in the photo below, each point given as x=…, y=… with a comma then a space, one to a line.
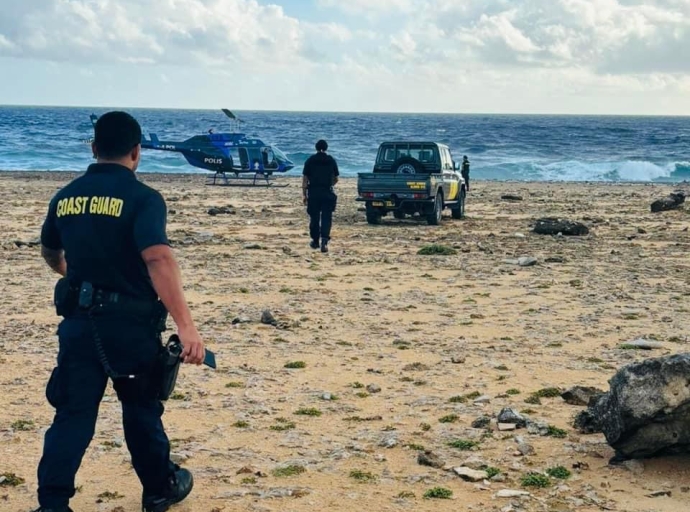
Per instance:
x=573, y=170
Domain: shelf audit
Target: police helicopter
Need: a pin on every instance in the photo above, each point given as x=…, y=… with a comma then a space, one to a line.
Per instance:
x=225, y=153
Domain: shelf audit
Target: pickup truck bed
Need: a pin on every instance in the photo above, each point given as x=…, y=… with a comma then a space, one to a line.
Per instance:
x=406, y=194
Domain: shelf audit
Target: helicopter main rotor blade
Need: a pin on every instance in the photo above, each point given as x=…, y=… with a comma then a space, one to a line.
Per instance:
x=231, y=115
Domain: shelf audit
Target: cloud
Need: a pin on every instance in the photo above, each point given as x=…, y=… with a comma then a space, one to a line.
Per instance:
x=443, y=53
x=209, y=32
x=369, y=6
x=608, y=36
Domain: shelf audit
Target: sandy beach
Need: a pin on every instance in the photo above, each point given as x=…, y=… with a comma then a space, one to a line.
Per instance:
x=386, y=337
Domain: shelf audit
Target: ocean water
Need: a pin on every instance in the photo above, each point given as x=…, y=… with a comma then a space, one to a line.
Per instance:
x=500, y=147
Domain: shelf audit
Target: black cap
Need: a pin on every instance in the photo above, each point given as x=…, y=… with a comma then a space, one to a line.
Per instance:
x=116, y=135
x=322, y=145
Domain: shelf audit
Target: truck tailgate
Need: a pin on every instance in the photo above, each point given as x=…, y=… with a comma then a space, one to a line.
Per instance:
x=385, y=185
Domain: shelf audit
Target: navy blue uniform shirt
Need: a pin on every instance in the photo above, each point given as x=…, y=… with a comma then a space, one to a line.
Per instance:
x=103, y=220
x=320, y=168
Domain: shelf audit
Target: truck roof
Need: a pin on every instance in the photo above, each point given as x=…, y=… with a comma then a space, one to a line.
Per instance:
x=414, y=142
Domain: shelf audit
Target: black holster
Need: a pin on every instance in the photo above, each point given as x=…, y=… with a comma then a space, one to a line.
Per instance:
x=168, y=366
x=65, y=297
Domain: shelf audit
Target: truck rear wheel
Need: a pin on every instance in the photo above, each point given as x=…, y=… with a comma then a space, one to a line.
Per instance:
x=434, y=219
x=459, y=211
x=399, y=214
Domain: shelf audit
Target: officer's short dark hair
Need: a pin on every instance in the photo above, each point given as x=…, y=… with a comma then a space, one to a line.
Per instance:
x=322, y=145
x=116, y=135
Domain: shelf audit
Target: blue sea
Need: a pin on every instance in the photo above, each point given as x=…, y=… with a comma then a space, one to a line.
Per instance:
x=500, y=147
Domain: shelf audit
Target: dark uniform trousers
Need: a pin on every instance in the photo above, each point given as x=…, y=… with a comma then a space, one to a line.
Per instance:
x=321, y=203
x=75, y=390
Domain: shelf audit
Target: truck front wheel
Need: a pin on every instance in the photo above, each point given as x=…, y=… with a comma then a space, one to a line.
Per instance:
x=434, y=219
x=459, y=211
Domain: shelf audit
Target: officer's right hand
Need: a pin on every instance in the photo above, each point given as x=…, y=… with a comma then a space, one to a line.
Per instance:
x=193, y=348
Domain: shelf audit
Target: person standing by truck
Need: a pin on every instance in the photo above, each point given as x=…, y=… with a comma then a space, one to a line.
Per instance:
x=319, y=176
x=465, y=171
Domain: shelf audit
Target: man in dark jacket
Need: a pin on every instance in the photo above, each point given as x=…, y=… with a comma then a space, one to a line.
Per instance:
x=465, y=171
x=319, y=176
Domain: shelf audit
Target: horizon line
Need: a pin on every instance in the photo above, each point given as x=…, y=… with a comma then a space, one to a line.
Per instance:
x=27, y=105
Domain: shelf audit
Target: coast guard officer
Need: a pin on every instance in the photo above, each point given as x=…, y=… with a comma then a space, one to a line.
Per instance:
x=106, y=233
x=465, y=172
x=320, y=174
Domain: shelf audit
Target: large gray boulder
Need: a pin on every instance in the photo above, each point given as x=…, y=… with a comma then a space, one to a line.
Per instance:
x=670, y=202
x=554, y=226
x=647, y=410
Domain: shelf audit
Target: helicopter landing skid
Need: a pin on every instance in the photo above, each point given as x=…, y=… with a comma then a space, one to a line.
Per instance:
x=221, y=179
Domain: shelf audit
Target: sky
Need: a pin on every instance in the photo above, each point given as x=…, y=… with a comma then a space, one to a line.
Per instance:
x=624, y=57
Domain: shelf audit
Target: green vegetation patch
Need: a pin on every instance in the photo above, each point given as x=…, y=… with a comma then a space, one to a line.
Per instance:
x=559, y=472
x=439, y=493
x=535, y=480
x=463, y=444
x=296, y=365
x=291, y=470
x=308, y=411
x=11, y=480
x=363, y=476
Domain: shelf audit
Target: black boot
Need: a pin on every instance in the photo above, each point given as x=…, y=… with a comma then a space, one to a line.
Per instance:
x=314, y=244
x=179, y=486
x=324, y=245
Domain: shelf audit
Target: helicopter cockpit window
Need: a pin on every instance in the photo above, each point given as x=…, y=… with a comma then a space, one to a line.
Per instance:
x=279, y=155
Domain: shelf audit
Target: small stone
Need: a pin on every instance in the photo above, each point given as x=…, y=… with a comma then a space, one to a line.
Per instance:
x=580, y=395
x=481, y=422
x=240, y=320
x=373, y=388
x=268, y=318
x=473, y=462
x=657, y=494
x=457, y=359
x=527, y=261
x=504, y=427
x=525, y=449
x=327, y=396
x=388, y=442
x=248, y=470
x=253, y=247
x=511, y=197
x=485, y=399
x=179, y=458
x=471, y=475
x=634, y=466
x=429, y=458
x=643, y=344
x=509, y=415
x=509, y=493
